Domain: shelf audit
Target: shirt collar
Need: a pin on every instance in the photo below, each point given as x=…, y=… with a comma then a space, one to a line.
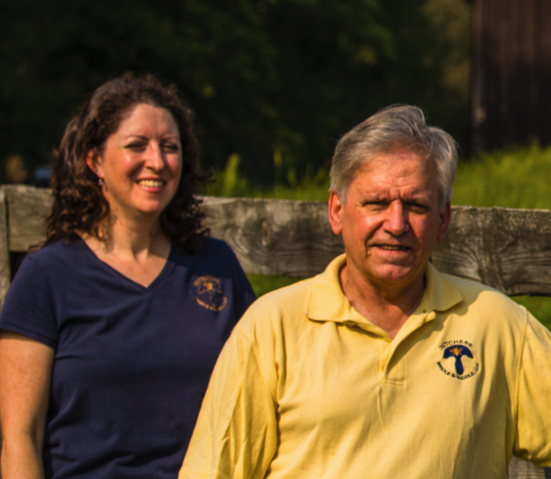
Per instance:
x=440, y=293
x=327, y=302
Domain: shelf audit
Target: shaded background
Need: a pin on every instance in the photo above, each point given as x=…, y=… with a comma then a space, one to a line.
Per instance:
x=273, y=83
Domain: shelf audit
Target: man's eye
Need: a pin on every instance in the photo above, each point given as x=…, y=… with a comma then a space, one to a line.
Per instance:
x=418, y=207
x=374, y=204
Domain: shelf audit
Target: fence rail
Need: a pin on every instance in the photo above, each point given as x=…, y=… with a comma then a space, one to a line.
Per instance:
x=508, y=249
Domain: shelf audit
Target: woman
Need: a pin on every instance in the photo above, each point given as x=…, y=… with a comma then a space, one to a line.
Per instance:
x=118, y=320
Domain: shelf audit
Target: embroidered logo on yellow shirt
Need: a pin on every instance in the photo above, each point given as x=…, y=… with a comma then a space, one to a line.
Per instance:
x=458, y=360
x=209, y=293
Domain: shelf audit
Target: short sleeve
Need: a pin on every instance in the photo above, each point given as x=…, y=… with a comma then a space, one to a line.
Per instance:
x=244, y=294
x=533, y=438
x=236, y=432
x=28, y=309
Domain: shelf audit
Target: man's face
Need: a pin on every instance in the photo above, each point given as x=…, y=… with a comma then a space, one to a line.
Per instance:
x=391, y=220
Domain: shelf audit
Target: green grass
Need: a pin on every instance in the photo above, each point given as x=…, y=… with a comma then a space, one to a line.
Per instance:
x=229, y=183
x=539, y=306
x=516, y=178
x=264, y=284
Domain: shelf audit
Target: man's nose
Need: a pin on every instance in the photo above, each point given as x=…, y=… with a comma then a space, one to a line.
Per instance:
x=396, y=221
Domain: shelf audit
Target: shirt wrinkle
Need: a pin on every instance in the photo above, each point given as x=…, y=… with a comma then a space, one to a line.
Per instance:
x=515, y=409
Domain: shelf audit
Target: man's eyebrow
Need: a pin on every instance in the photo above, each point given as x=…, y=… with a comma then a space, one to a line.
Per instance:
x=421, y=193
x=373, y=196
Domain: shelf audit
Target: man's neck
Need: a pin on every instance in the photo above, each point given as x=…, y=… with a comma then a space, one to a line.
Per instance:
x=389, y=308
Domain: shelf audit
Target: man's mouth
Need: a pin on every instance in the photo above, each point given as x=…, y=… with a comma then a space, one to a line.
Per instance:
x=388, y=247
x=151, y=183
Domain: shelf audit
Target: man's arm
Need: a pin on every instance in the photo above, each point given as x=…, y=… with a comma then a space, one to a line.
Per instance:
x=533, y=432
x=236, y=432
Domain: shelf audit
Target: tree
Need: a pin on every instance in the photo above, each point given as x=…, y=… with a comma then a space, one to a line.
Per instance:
x=268, y=79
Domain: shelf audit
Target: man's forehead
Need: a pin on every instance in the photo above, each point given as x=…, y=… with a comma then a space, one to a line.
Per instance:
x=372, y=160
x=404, y=193
x=381, y=168
x=387, y=161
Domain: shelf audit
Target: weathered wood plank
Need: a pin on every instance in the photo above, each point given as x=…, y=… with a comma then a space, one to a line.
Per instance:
x=508, y=249
x=519, y=469
x=504, y=248
x=27, y=208
x=5, y=276
x=277, y=237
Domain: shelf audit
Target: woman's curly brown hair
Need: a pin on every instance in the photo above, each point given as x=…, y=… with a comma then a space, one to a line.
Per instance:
x=79, y=204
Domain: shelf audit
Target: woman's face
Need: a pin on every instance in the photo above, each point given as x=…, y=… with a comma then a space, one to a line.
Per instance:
x=141, y=163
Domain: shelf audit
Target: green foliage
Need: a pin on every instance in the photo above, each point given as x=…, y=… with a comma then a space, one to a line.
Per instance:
x=512, y=178
x=273, y=81
x=264, y=284
x=229, y=182
x=539, y=306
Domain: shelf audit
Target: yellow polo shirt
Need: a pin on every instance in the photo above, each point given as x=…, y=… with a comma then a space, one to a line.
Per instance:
x=306, y=387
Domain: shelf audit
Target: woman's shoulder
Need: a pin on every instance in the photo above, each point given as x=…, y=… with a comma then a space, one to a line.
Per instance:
x=59, y=253
x=212, y=247
x=217, y=246
x=215, y=255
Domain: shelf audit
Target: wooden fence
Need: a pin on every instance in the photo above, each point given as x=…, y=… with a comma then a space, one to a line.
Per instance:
x=507, y=249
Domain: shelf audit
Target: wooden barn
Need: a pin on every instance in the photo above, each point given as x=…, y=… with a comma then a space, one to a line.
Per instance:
x=511, y=87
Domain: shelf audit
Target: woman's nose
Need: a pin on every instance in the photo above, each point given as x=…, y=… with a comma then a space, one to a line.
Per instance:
x=155, y=157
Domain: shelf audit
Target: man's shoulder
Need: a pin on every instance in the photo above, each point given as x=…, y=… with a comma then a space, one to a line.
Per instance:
x=281, y=309
x=476, y=295
x=471, y=287
x=286, y=299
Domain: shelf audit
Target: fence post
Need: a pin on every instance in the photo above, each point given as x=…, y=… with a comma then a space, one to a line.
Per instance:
x=4, y=249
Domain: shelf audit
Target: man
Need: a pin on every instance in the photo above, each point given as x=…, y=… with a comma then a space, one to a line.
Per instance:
x=380, y=367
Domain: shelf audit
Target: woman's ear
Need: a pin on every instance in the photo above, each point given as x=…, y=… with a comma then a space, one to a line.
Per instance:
x=93, y=163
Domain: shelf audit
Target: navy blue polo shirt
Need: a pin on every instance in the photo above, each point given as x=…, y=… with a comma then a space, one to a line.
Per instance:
x=131, y=363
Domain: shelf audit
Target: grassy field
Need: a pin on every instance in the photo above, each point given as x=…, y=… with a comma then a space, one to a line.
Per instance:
x=514, y=179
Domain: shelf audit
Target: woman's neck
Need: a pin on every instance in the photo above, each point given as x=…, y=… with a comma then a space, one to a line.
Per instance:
x=124, y=236
x=138, y=252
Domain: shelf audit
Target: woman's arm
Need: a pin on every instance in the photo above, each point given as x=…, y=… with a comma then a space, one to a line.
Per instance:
x=25, y=374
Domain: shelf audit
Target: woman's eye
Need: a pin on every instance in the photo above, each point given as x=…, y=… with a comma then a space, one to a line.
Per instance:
x=136, y=146
x=171, y=147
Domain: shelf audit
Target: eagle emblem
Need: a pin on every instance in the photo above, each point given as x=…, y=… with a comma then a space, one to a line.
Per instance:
x=209, y=293
x=458, y=360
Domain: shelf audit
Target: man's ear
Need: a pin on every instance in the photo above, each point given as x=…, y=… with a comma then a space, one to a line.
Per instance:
x=94, y=163
x=335, y=208
x=445, y=216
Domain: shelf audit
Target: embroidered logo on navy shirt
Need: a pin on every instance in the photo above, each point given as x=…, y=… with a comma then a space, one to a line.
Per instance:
x=209, y=293
x=458, y=360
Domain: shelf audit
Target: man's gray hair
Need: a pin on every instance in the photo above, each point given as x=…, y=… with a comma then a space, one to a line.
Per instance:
x=390, y=129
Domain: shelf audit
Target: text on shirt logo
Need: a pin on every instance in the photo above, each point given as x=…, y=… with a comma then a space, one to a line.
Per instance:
x=458, y=360
x=209, y=293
